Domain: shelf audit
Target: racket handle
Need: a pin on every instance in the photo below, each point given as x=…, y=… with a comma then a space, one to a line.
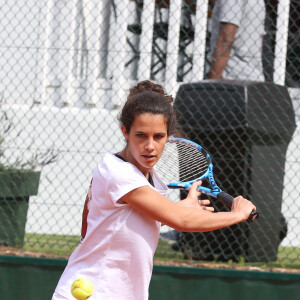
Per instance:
x=227, y=200
x=253, y=216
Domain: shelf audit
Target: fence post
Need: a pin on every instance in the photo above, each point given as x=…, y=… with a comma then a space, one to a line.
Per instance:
x=282, y=28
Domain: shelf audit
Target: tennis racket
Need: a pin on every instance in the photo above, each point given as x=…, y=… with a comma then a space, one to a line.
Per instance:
x=184, y=162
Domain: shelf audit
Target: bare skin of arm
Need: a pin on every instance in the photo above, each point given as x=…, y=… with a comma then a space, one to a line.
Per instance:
x=190, y=215
x=222, y=50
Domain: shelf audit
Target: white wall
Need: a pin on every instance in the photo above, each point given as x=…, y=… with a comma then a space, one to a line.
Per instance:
x=22, y=36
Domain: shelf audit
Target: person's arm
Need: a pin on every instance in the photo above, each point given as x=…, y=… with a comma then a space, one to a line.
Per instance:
x=222, y=50
x=190, y=219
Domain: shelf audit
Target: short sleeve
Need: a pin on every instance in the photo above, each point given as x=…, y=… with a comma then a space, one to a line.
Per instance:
x=231, y=11
x=122, y=178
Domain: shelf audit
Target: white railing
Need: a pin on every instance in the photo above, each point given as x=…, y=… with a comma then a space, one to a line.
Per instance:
x=100, y=37
x=80, y=50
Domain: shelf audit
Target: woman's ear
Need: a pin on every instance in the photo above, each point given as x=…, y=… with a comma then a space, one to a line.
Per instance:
x=124, y=131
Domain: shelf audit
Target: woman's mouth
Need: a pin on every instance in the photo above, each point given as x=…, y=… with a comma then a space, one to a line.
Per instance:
x=149, y=157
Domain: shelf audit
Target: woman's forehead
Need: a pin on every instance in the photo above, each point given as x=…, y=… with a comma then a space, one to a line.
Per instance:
x=146, y=120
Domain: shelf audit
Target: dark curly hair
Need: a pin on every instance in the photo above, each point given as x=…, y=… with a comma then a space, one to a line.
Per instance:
x=148, y=97
x=148, y=85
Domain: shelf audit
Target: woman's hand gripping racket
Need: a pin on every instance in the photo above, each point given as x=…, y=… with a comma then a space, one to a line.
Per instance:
x=184, y=162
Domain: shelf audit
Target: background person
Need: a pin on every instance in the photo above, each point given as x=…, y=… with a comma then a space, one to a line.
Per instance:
x=237, y=30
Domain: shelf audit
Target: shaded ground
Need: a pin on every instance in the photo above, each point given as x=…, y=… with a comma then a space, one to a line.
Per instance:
x=4, y=250
x=224, y=266
x=20, y=252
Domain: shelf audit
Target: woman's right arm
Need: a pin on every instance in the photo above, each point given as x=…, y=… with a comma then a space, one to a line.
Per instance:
x=190, y=219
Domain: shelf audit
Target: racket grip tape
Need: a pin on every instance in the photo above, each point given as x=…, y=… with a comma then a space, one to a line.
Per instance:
x=227, y=200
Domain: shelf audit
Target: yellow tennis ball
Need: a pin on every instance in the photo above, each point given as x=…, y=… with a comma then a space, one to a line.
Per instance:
x=82, y=288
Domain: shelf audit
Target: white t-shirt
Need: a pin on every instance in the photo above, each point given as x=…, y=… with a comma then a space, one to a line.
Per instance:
x=245, y=62
x=117, y=251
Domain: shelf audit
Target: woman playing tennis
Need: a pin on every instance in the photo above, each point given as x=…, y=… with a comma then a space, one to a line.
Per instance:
x=126, y=205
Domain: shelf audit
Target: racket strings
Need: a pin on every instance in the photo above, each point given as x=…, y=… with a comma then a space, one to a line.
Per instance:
x=181, y=162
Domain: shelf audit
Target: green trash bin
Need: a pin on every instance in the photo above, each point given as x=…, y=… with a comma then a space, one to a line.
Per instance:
x=15, y=189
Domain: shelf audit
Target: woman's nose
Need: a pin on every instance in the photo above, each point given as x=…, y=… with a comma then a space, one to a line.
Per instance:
x=149, y=146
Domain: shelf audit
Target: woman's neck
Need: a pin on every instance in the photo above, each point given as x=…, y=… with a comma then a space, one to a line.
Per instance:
x=126, y=155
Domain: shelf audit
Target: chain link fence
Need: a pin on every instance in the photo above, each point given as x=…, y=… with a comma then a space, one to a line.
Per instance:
x=66, y=68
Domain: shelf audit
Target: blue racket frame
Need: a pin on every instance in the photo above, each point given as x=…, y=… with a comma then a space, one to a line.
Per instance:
x=215, y=190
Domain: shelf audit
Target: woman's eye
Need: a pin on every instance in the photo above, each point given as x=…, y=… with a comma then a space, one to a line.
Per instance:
x=159, y=137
